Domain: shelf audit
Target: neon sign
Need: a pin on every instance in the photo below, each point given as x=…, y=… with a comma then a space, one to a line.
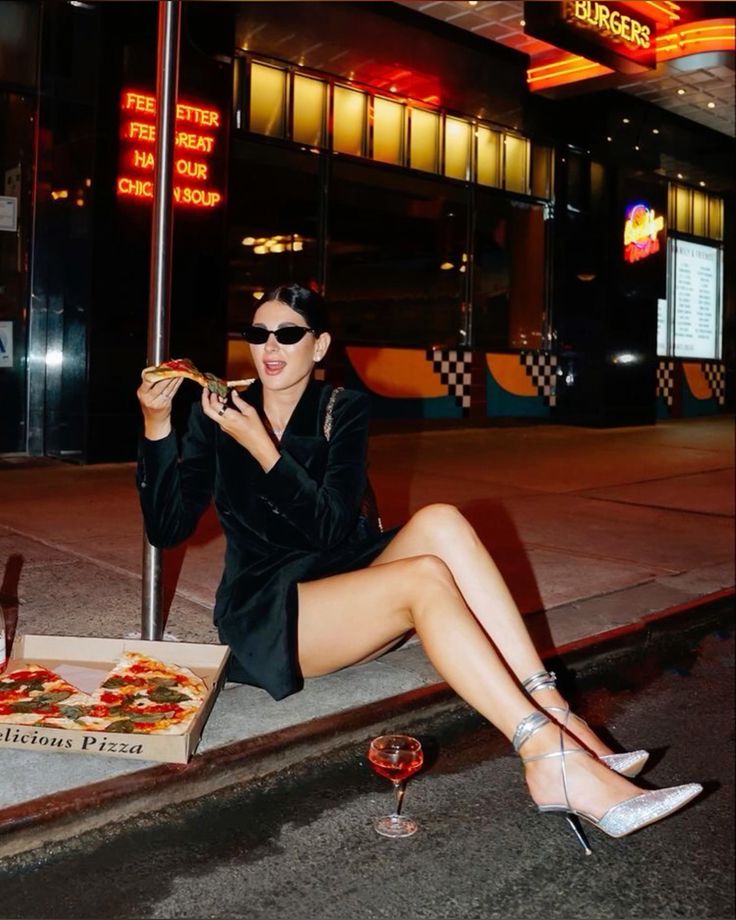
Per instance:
x=195, y=140
x=617, y=25
x=641, y=232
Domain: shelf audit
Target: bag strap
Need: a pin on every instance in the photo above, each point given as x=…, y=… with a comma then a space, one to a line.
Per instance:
x=327, y=427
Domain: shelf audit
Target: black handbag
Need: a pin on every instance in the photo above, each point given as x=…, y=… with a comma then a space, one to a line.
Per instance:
x=369, y=520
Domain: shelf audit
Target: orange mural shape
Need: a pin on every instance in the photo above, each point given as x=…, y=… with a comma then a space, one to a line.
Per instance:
x=510, y=375
x=399, y=373
x=696, y=380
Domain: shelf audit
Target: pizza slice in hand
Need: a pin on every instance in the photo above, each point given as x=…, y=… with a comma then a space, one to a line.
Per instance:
x=183, y=367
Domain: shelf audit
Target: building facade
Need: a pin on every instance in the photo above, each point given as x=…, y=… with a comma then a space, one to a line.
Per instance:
x=486, y=251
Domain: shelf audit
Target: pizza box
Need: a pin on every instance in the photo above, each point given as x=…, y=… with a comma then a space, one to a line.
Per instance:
x=90, y=659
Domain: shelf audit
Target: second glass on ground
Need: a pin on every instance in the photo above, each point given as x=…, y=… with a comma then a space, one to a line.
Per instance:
x=397, y=757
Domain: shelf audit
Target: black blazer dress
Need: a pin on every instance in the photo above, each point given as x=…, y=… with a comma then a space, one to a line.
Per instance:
x=298, y=522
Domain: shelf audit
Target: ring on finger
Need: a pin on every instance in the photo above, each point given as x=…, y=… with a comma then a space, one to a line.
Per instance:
x=222, y=411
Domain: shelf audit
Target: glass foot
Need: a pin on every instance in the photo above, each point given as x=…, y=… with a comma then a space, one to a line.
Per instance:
x=395, y=826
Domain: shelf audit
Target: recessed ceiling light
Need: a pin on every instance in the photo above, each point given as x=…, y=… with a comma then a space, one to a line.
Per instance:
x=655, y=130
x=636, y=146
x=680, y=176
x=609, y=138
x=701, y=184
x=522, y=23
x=625, y=121
x=681, y=91
x=711, y=105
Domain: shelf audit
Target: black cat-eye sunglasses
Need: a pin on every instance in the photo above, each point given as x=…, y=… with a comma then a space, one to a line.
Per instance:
x=285, y=335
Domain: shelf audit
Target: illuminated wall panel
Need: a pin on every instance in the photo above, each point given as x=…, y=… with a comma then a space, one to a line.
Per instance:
x=388, y=131
x=348, y=132
x=700, y=214
x=516, y=164
x=457, y=148
x=310, y=97
x=488, y=156
x=541, y=180
x=715, y=218
x=425, y=132
x=267, y=100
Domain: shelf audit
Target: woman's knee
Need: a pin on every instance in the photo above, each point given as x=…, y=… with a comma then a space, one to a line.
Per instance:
x=427, y=574
x=442, y=521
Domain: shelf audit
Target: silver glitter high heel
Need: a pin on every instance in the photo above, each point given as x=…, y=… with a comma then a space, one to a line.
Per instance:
x=627, y=764
x=620, y=820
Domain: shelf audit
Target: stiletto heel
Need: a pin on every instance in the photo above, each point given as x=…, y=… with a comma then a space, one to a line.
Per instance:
x=621, y=819
x=628, y=764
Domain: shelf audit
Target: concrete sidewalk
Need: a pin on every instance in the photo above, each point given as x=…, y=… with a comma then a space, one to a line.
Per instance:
x=596, y=531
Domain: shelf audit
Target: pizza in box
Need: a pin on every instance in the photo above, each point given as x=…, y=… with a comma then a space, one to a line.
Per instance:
x=139, y=695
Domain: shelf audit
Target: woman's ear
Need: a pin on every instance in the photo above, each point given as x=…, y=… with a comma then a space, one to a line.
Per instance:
x=321, y=346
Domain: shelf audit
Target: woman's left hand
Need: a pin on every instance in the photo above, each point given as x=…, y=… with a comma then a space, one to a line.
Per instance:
x=243, y=423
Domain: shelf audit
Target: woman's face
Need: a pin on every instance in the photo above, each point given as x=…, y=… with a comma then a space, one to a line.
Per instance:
x=281, y=367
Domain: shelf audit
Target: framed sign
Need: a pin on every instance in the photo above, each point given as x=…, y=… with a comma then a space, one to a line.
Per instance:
x=8, y=213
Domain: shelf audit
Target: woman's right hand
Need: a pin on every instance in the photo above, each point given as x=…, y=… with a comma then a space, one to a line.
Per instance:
x=155, y=400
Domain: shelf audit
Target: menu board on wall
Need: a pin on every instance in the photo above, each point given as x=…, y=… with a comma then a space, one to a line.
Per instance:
x=696, y=284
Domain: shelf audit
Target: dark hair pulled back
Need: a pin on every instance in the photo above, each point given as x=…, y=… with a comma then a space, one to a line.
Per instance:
x=303, y=300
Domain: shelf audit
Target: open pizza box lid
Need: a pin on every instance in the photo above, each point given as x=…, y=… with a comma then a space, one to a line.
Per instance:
x=85, y=662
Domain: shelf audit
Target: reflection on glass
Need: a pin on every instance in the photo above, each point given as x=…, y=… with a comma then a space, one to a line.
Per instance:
x=424, y=151
x=388, y=131
x=488, y=156
x=348, y=133
x=516, y=164
x=267, y=100
x=309, y=111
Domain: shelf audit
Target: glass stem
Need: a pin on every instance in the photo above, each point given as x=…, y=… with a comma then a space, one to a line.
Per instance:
x=399, y=790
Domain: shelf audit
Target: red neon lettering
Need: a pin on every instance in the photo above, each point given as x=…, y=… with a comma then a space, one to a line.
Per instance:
x=139, y=132
x=142, y=159
x=192, y=169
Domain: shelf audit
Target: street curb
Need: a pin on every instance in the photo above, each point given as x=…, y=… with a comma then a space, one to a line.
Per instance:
x=52, y=818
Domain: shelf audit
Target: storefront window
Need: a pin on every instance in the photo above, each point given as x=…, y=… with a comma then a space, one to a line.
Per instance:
x=509, y=275
x=396, y=274
x=273, y=235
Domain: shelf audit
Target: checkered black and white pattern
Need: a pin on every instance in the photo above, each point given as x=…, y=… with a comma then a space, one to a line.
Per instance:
x=666, y=381
x=542, y=368
x=454, y=368
x=715, y=374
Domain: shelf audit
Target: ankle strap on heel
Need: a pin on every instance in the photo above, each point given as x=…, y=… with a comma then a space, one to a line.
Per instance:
x=542, y=680
x=528, y=726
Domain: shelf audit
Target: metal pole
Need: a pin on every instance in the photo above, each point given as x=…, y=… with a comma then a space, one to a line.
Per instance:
x=167, y=79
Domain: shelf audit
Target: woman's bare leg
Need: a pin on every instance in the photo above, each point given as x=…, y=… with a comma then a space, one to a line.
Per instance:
x=441, y=530
x=353, y=617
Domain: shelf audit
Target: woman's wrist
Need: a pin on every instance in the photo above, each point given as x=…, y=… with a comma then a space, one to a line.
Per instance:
x=156, y=431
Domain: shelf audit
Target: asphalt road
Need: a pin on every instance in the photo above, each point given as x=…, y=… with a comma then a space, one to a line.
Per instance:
x=304, y=847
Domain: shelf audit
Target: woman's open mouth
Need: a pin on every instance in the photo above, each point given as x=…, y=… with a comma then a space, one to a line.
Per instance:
x=273, y=367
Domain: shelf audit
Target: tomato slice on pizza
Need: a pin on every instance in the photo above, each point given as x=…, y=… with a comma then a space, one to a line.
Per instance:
x=31, y=694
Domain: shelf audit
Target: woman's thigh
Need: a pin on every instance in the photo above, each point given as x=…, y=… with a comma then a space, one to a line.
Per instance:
x=357, y=616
